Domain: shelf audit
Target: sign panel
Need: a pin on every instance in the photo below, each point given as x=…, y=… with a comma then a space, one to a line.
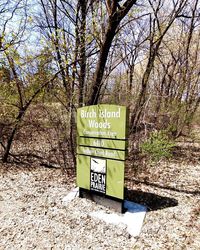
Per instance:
x=102, y=143
x=114, y=176
x=102, y=148
x=101, y=152
x=102, y=121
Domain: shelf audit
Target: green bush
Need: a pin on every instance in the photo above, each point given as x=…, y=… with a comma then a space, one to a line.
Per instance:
x=158, y=146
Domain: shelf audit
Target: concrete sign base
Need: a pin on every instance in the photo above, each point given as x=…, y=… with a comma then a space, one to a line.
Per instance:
x=133, y=217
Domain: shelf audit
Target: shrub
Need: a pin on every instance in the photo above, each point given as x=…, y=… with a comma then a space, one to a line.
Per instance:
x=158, y=146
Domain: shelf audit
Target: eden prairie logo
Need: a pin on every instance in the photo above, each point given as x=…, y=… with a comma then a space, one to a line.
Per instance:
x=98, y=175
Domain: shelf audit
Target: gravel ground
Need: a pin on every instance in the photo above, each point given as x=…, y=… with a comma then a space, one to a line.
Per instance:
x=33, y=216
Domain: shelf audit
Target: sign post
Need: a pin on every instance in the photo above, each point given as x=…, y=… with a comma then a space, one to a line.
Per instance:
x=101, y=151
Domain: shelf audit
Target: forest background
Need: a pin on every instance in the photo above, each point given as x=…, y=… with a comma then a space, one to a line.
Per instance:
x=58, y=55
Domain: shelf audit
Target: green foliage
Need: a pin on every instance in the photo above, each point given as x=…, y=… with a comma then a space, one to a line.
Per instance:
x=7, y=113
x=158, y=145
x=5, y=76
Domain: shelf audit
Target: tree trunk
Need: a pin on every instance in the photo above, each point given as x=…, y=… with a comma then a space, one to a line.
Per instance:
x=11, y=138
x=82, y=52
x=116, y=14
x=20, y=116
x=110, y=34
x=58, y=53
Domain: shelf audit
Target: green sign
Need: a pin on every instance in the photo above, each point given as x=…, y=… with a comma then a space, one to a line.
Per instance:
x=101, y=152
x=102, y=143
x=102, y=121
x=114, y=176
x=102, y=148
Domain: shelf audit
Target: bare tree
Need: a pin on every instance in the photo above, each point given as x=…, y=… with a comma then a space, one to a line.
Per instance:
x=116, y=14
x=180, y=73
x=156, y=36
x=10, y=35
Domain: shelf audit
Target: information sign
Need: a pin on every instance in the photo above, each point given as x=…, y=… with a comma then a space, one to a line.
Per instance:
x=102, y=148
